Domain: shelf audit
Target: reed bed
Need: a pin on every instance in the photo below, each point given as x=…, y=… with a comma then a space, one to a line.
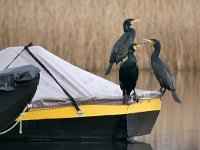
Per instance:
x=84, y=31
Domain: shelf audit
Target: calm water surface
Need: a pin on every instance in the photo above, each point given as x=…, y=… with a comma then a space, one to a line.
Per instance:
x=177, y=127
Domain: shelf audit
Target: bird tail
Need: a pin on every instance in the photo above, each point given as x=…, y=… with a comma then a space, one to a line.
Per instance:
x=175, y=96
x=108, y=69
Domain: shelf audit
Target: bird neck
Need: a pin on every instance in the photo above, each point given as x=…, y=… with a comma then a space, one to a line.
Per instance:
x=157, y=48
x=131, y=57
x=128, y=29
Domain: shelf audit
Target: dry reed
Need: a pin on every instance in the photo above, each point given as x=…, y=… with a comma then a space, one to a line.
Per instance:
x=84, y=31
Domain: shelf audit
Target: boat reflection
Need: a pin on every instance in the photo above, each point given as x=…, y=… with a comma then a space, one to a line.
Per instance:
x=135, y=145
x=75, y=146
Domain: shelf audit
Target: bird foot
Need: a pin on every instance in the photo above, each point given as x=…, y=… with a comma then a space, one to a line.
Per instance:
x=127, y=99
x=162, y=91
x=136, y=98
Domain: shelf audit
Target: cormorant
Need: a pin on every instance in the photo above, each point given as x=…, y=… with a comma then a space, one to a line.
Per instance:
x=120, y=48
x=161, y=71
x=128, y=75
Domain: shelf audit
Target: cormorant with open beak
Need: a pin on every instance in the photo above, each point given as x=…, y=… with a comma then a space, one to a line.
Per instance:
x=120, y=48
x=128, y=75
x=161, y=71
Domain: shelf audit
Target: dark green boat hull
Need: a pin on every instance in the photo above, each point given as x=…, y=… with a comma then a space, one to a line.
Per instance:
x=99, y=128
x=13, y=102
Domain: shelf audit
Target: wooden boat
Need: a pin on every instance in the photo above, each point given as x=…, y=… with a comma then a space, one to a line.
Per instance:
x=54, y=117
x=17, y=88
x=102, y=120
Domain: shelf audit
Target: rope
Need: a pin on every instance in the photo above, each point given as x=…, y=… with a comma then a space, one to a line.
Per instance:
x=14, y=59
x=19, y=121
x=30, y=44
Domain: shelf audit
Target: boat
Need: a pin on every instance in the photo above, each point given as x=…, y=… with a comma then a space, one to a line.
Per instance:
x=106, y=120
x=73, y=104
x=13, y=99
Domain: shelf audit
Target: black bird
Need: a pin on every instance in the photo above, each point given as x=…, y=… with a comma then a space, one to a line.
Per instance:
x=128, y=75
x=120, y=48
x=161, y=71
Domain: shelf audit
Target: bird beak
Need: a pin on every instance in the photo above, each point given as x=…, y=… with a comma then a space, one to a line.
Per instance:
x=138, y=45
x=134, y=21
x=149, y=41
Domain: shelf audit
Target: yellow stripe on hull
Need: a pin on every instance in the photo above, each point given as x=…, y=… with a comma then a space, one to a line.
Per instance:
x=93, y=110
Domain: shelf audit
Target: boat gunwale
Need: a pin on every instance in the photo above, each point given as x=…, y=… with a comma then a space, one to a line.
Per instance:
x=91, y=110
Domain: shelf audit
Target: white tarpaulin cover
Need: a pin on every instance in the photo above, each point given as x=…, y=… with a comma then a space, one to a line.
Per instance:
x=78, y=82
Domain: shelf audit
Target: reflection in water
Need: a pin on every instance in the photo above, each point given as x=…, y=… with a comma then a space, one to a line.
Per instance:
x=75, y=146
x=178, y=125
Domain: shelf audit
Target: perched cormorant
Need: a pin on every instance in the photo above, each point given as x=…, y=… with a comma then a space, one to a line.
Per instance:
x=120, y=48
x=128, y=75
x=161, y=71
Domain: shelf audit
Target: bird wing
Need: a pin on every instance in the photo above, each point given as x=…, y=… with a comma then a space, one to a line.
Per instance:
x=163, y=74
x=137, y=70
x=173, y=83
x=120, y=48
x=121, y=70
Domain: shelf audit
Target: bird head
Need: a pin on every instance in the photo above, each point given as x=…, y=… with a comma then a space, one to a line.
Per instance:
x=129, y=22
x=133, y=47
x=152, y=41
x=155, y=43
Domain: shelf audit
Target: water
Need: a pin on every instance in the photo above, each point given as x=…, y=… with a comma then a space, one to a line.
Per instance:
x=177, y=127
